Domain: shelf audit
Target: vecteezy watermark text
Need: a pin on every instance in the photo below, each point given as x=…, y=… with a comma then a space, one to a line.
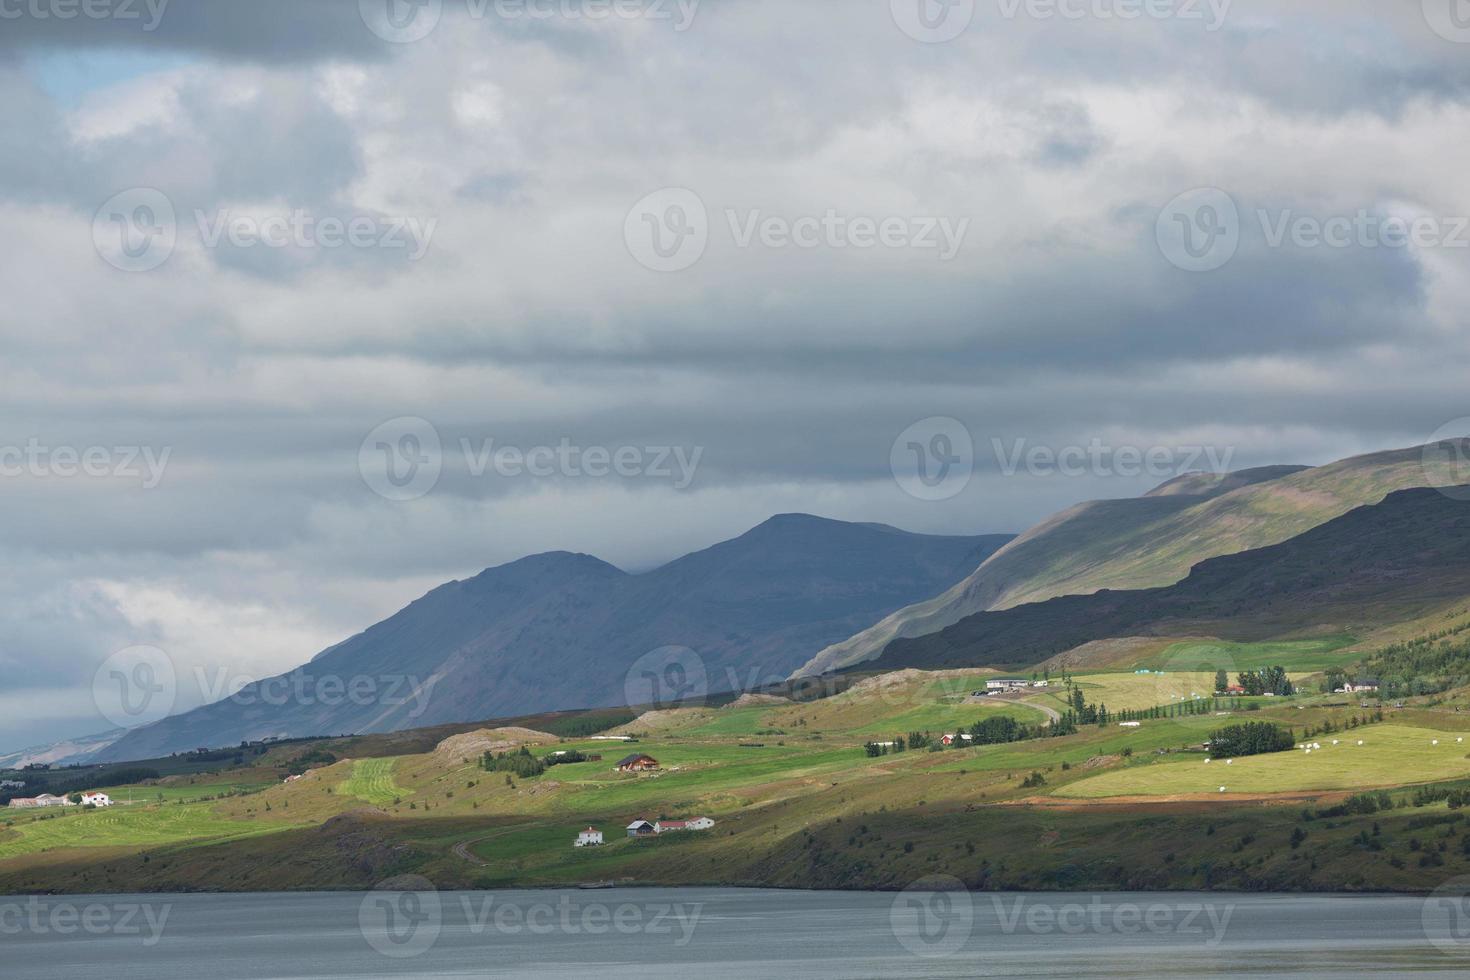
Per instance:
x=138, y=229
x=36, y=459
x=1100, y=917
x=1098, y=458
x=669, y=230
x=1202, y=229
x=308, y=688
x=406, y=21
x=403, y=459
x=404, y=917
x=39, y=916
x=149, y=13
x=938, y=21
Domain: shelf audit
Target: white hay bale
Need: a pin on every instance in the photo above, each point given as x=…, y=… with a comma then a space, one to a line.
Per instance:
x=1222, y=789
x=1434, y=741
x=1360, y=741
x=1228, y=761
x=1334, y=741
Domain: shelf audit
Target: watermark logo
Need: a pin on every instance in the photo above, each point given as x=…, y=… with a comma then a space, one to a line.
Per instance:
x=401, y=459
x=668, y=230
x=932, y=21
x=135, y=686
x=38, y=916
x=305, y=688
x=1208, y=922
x=1199, y=231
x=1211, y=12
x=1450, y=19
x=401, y=21
x=406, y=21
x=404, y=458
x=676, y=464
x=933, y=917
x=301, y=229
x=148, y=13
x=1202, y=230
x=37, y=459
x=402, y=917
x=836, y=231
x=933, y=459
x=136, y=230
x=668, y=677
x=1445, y=916
x=1446, y=459
x=1103, y=459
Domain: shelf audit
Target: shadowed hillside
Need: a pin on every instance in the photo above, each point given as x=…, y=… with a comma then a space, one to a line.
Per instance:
x=1154, y=540
x=1383, y=563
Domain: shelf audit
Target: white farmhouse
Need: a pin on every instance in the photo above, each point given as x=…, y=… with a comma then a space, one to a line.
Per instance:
x=591, y=837
x=96, y=799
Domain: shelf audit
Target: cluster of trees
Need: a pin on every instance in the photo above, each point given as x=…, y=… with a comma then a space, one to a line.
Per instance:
x=1426, y=665
x=1251, y=738
x=306, y=760
x=592, y=723
x=1328, y=727
x=570, y=755
x=1179, y=709
x=520, y=763
x=1268, y=680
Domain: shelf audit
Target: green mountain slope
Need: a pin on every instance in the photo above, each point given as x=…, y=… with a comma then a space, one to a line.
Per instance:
x=1394, y=561
x=1154, y=540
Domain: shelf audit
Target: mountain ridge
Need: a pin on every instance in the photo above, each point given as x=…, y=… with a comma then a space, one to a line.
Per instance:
x=1396, y=560
x=1151, y=541
x=562, y=629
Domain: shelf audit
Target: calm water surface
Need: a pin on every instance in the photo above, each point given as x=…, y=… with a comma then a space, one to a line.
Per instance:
x=711, y=933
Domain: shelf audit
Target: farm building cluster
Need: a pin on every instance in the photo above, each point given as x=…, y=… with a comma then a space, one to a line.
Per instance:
x=592, y=837
x=47, y=799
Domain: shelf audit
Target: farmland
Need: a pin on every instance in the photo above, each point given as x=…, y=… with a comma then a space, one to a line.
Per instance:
x=121, y=826
x=779, y=778
x=371, y=780
x=1390, y=755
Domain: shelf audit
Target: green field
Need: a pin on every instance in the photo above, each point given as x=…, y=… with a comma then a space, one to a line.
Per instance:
x=1391, y=755
x=372, y=781
x=123, y=826
x=795, y=798
x=1294, y=655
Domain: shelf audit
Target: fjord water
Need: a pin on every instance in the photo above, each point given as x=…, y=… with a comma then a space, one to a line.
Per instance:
x=715, y=933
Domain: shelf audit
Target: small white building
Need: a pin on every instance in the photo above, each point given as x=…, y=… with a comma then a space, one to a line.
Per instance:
x=591, y=837
x=698, y=823
x=1006, y=684
x=44, y=800
x=96, y=799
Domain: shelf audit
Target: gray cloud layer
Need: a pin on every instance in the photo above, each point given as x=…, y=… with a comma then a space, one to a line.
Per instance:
x=524, y=142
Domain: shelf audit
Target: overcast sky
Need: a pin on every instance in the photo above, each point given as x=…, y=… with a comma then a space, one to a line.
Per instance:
x=259, y=254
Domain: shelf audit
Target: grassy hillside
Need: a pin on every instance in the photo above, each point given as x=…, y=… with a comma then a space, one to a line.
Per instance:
x=1154, y=540
x=1392, y=562
x=797, y=801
